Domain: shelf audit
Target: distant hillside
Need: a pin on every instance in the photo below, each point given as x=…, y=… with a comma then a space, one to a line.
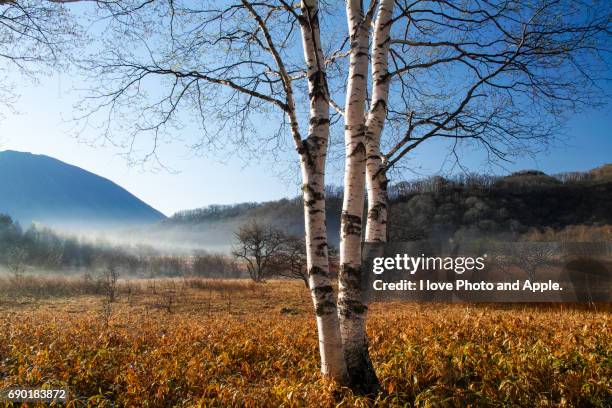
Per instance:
x=213, y=227
x=43, y=189
x=477, y=206
x=467, y=206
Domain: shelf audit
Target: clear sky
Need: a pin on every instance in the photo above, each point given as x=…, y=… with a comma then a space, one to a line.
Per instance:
x=41, y=127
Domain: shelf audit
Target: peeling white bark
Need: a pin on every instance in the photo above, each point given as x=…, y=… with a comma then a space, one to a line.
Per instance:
x=376, y=227
x=351, y=308
x=313, y=153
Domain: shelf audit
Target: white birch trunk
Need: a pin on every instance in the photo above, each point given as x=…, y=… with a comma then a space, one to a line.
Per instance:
x=351, y=308
x=376, y=228
x=312, y=159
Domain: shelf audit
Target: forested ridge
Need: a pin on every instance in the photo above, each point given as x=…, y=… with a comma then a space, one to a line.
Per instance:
x=439, y=207
x=466, y=207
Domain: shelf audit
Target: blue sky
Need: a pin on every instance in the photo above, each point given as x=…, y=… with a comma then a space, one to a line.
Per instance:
x=41, y=126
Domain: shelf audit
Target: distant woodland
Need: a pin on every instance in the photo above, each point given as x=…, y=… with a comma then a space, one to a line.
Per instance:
x=42, y=249
x=462, y=207
x=524, y=205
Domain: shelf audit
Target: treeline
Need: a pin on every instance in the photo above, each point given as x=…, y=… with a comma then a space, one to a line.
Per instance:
x=43, y=249
x=518, y=182
x=470, y=207
x=286, y=208
x=213, y=212
x=465, y=206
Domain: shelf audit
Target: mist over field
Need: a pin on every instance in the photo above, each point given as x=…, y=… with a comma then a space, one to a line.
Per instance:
x=457, y=208
x=432, y=208
x=524, y=206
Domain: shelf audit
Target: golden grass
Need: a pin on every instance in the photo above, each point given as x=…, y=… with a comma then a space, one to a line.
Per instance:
x=571, y=233
x=232, y=343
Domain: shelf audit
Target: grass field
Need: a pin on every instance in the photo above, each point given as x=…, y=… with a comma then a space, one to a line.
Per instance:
x=232, y=343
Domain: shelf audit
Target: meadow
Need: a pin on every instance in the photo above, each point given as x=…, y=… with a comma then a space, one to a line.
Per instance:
x=232, y=343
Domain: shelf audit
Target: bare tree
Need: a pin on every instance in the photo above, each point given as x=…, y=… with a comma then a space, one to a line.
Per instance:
x=35, y=37
x=495, y=74
x=498, y=74
x=16, y=261
x=258, y=245
x=532, y=256
x=236, y=62
x=351, y=305
x=291, y=261
x=484, y=73
x=109, y=278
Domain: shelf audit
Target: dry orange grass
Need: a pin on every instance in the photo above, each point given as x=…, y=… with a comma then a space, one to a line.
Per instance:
x=237, y=344
x=571, y=233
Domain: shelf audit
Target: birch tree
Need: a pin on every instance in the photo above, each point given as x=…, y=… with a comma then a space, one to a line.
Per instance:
x=499, y=75
x=502, y=76
x=227, y=64
x=351, y=305
x=485, y=72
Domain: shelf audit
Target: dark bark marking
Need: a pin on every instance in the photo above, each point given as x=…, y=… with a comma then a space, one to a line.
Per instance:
x=380, y=103
x=323, y=290
x=376, y=211
x=349, y=307
x=351, y=224
x=313, y=195
x=315, y=270
x=350, y=276
x=320, y=249
x=359, y=149
x=325, y=307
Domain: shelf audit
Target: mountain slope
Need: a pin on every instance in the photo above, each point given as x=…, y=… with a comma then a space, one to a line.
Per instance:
x=505, y=206
x=214, y=227
x=43, y=189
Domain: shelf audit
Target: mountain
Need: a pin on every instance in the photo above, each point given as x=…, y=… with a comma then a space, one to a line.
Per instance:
x=465, y=207
x=38, y=188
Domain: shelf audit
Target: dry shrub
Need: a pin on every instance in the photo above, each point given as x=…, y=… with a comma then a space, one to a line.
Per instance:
x=33, y=286
x=425, y=354
x=571, y=233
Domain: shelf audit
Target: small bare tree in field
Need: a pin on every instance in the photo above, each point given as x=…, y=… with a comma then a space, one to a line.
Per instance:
x=109, y=276
x=258, y=245
x=16, y=261
x=291, y=261
x=169, y=296
x=107, y=281
x=532, y=256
